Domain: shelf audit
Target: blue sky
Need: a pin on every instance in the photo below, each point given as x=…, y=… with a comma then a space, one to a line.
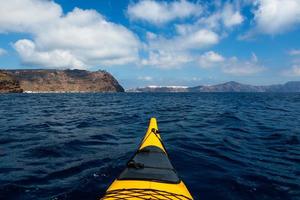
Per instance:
x=151, y=42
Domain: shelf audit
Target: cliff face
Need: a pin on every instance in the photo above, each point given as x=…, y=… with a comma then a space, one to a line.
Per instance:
x=65, y=81
x=8, y=84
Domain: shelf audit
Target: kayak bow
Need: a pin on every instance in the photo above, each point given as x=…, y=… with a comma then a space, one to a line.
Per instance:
x=149, y=174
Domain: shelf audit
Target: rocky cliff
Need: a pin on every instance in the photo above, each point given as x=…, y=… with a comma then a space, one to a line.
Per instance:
x=65, y=81
x=8, y=84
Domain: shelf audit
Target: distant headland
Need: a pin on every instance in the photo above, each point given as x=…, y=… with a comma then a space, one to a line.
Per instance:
x=232, y=86
x=57, y=81
x=77, y=81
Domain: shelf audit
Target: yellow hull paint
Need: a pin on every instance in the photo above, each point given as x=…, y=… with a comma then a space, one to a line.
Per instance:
x=152, y=138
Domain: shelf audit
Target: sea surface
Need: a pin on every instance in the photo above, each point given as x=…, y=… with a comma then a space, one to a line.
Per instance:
x=229, y=146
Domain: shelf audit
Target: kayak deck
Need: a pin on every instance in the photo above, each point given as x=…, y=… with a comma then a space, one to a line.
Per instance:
x=149, y=174
x=152, y=164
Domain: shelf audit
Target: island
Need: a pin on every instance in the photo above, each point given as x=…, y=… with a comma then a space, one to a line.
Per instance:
x=57, y=81
x=232, y=86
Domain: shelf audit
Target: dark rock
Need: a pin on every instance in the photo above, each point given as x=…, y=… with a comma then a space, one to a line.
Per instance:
x=8, y=84
x=41, y=80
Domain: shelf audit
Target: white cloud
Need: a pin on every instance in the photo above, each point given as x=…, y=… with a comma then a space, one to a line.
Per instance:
x=210, y=59
x=151, y=36
x=145, y=78
x=2, y=52
x=237, y=67
x=175, y=52
x=27, y=15
x=230, y=16
x=166, y=59
x=232, y=65
x=81, y=38
x=254, y=58
x=179, y=50
x=160, y=12
x=199, y=39
x=52, y=59
x=276, y=16
x=212, y=21
x=242, y=68
x=294, y=52
x=176, y=59
x=189, y=40
x=227, y=16
x=91, y=38
x=293, y=71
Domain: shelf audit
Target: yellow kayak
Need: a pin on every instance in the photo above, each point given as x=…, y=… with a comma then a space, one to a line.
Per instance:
x=149, y=174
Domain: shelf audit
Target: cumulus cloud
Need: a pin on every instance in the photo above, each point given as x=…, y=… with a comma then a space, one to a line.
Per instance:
x=232, y=65
x=210, y=59
x=293, y=71
x=160, y=12
x=214, y=24
x=242, y=68
x=189, y=40
x=79, y=39
x=226, y=16
x=276, y=16
x=231, y=16
x=52, y=59
x=179, y=50
x=166, y=59
x=2, y=52
x=27, y=15
x=176, y=51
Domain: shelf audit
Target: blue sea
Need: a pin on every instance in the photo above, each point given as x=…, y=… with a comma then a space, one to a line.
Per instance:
x=229, y=146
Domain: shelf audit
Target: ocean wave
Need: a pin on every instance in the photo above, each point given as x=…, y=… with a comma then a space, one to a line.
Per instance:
x=224, y=146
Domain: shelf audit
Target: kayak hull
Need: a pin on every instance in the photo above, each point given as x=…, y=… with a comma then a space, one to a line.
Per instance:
x=149, y=174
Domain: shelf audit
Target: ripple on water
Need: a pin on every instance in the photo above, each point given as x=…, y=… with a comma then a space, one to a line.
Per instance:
x=224, y=146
